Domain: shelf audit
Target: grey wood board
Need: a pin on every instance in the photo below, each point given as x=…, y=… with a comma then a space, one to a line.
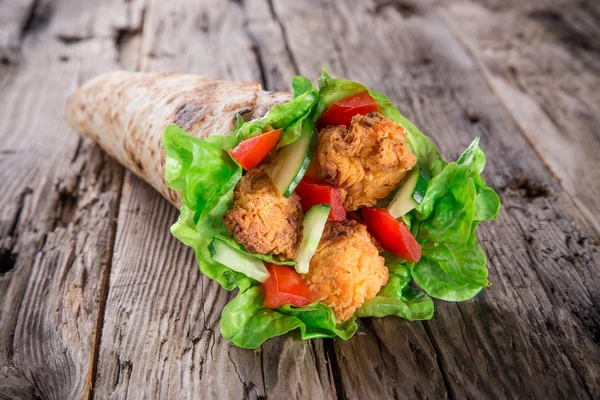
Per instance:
x=58, y=197
x=543, y=63
x=86, y=253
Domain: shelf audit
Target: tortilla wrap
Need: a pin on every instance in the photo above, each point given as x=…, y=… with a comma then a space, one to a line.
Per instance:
x=126, y=113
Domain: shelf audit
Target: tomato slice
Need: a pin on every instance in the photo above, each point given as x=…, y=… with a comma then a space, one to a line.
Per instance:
x=341, y=113
x=250, y=152
x=393, y=235
x=312, y=192
x=285, y=286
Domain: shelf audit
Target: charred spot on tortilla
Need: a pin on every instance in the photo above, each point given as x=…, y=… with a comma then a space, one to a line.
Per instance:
x=187, y=115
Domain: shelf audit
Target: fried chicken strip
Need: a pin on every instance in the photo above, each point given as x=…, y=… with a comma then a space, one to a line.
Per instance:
x=263, y=220
x=346, y=269
x=367, y=160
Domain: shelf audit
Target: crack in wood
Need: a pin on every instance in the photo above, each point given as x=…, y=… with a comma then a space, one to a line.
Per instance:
x=286, y=41
x=262, y=372
x=337, y=386
x=405, y=8
x=440, y=361
x=320, y=372
x=12, y=228
x=123, y=36
x=8, y=255
x=104, y=291
x=554, y=22
x=527, y=188
x=255, y=48
x=38, y=17
x=8, y=260
x=69, y=39
x=249, y=387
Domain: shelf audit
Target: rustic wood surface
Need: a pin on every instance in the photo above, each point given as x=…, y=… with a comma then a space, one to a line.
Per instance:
x=98, y=300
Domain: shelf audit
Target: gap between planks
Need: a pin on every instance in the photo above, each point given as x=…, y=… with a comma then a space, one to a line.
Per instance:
x=135, y=46
x=103, y=296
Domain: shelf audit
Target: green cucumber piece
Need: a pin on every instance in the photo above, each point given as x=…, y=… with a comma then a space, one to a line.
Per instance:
x=314, y=223
x=224, y=254
x=292, y=161
x=411, y=193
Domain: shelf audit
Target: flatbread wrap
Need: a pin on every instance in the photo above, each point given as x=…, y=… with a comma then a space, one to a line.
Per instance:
x=320, y=206
x=126, y=113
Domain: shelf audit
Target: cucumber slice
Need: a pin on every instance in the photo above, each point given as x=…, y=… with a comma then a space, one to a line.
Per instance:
x=292, y=161
x=252, y=267
x=410, y=194
x=314, y=223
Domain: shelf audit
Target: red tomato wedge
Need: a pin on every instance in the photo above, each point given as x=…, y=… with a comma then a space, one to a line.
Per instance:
x=393, y=235
x=250, y=152
x=341, y=113
x=312, y=192
x=285, y=286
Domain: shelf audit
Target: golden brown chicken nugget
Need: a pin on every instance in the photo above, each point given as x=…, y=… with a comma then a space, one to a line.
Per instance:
x=346, y=269
x=368, y=159
x=262, y=219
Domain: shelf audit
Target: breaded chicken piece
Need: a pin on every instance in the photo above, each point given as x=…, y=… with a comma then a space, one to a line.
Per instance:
x=368, y=159
x=263, y=220
x=346, y=269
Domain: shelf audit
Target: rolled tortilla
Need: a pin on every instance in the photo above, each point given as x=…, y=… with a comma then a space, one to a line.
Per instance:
x=126, y=113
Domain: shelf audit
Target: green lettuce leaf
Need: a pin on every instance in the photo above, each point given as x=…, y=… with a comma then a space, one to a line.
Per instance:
x=199, y=235
x=453, y=266
x=265, y=257
x=289, y=116
x=247, y=323
x=202, y=171
x=397, y=297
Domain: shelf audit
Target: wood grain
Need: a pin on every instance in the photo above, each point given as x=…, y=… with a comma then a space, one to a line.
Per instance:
x=543, y=62
x=501, y=340
x=59, y=197
x=96, y=294
x=155, y=285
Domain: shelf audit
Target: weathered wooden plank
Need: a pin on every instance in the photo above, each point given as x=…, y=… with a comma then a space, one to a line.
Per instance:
x=155, y=285
x=58, y=200
x=535, y=332
x=543, y=62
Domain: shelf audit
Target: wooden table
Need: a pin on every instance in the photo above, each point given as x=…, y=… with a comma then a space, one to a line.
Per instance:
x=98, y=300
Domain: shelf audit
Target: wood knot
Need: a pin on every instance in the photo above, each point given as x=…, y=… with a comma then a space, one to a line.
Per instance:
x=8, y=259
x=528, y=188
